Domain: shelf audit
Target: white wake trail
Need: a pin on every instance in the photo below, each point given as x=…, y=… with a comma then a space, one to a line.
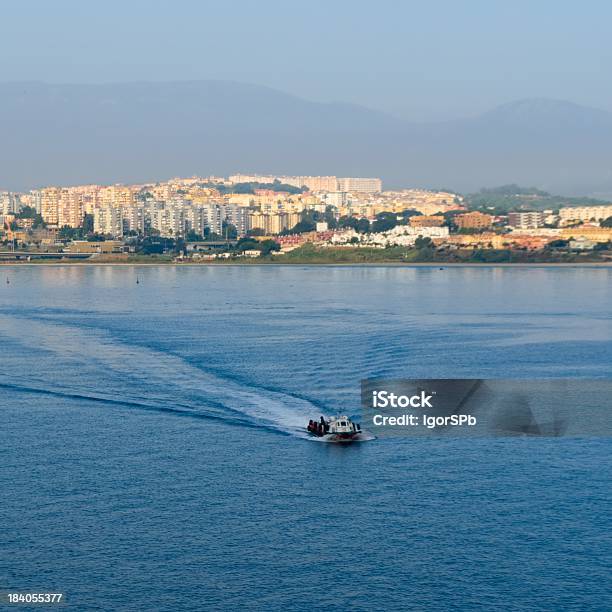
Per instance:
x=88, y=361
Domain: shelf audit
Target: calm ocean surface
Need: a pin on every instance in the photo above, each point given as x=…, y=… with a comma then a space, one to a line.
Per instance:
x=150, y=456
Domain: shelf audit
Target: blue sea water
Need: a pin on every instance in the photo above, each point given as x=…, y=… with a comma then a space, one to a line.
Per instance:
x=151, y=454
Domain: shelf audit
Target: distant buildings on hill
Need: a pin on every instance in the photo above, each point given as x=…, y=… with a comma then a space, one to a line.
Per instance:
x=315, y=183
x=329, y=210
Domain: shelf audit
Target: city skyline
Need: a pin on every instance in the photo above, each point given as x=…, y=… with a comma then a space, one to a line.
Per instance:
x=254, y=216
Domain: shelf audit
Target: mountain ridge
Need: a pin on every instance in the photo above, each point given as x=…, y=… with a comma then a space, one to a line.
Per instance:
x=142, y=131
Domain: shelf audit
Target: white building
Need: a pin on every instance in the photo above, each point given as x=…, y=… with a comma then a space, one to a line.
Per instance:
x=169, y=220
x=401, y=235
x=314, y=183
x=108, y=220
x=133, y=219
x=360, y=185
x=335, y=198
x=237, y=216
x=200, y=217
x=211, y=216
x=526, y=220
x=9, y=203
x=585, y=213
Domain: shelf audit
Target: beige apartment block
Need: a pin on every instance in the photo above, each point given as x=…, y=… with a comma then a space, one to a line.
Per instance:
x=474, y=220
x=427, y=221
x=587, y=232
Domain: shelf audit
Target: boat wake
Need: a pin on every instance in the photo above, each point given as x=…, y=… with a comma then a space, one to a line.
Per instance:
x=97, y=367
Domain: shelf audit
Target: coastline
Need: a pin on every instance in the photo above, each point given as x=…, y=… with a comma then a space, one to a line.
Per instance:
x=382, y=264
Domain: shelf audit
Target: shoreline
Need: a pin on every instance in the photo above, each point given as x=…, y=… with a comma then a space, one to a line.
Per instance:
x=592, y=264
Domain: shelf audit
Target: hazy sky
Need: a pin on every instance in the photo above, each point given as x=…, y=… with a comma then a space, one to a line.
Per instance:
x=421, y=60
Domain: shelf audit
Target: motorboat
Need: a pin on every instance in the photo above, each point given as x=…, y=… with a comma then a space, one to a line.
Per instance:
x=335, y=429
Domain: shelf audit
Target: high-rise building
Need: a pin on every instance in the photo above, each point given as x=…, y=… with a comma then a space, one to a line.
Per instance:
x=360, y=185
x=199, y=218
x=211, y=215
x=314, y=183
x=237, y=216
x=10, y=203
x=274, y=223
x=117, y=195
x=526, y=220
x=169, y=219
x=32, y=199
x=49, y=204
x=108, y=220
x=70, y=209
x=133, y=219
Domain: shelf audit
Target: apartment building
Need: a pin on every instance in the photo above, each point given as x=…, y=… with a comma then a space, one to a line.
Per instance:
x=526, y=220
x=359, y=185
x=199, y=218
x=335, y=198
x=274, y=223
x=69, y=209
x=426, y=221
x=593, y=233
x=314, y=183
x=108, y=220
x=474, y=220
x=117, y=195
x=168, y=220
x=49, y=204
x=211, y=216
x=33, y=199
x=10, y=203
x=236, y=216
x=133, y=219
x=585, y=213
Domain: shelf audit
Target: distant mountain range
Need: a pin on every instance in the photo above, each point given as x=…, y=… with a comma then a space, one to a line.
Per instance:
x=137, y=132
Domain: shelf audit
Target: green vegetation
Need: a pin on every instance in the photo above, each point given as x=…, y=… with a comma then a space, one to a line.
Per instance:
x=513, y=189
x=359, y=225
x=267, y=246
x=308, y=253
x=606, y=222
x=423, y=252
x=155, y=245
x=229, y=231
x=28, y=212
x=309, y=220
x=384, y=221
x=508, y=198
x=192, y=236
x=247, y=244
x=85, y=232
x=250, y=244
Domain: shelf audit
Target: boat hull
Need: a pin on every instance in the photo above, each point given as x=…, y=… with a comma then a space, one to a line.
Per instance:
x=336, y=437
